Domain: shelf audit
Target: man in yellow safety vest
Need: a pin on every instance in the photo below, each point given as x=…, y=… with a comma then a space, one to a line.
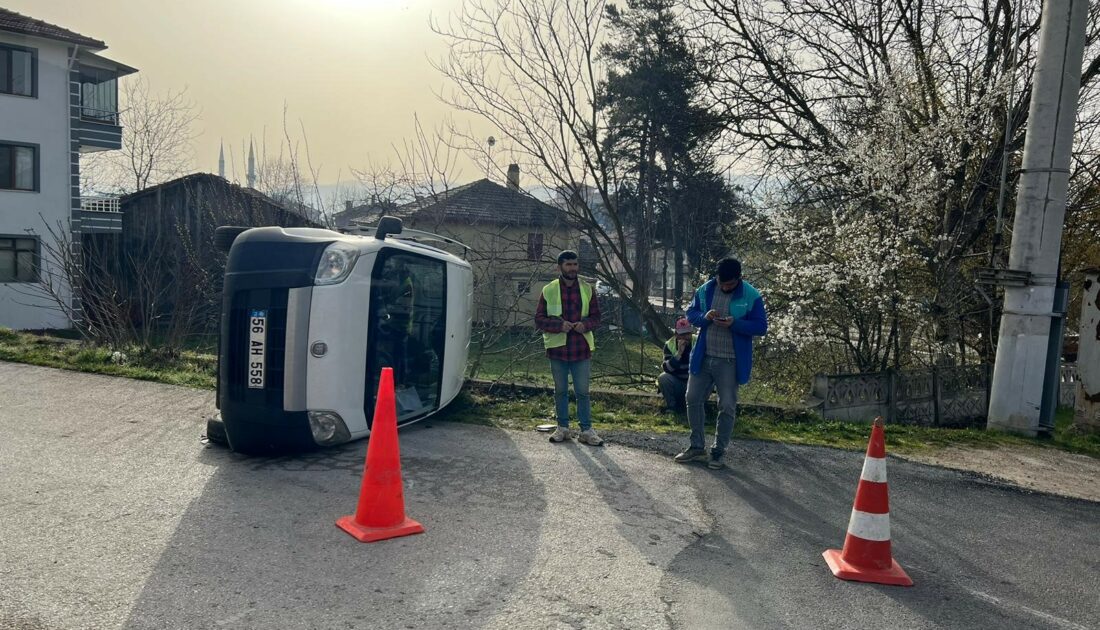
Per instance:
x=567, y=313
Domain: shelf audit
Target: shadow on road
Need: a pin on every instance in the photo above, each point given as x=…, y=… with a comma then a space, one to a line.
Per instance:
x=259, y=548
x=638, y=512
x=977, y=552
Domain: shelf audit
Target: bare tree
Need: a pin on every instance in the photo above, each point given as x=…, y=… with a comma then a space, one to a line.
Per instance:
x=120, y=296
x=424, y=168
x=508, y=269
x=157, y=134
x=534, y=71
x=423, y=178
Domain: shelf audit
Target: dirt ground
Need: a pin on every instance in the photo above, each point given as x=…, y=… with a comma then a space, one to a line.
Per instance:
x=1034, y=468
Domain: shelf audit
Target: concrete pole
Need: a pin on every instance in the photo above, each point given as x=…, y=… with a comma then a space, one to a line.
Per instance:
x=1087, y=414
x=1019, y=370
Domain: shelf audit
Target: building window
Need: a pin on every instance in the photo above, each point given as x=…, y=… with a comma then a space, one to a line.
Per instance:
x=534, y=246
x=99, y=95
x=18, y=259
x=18, y=167
x=18, y=71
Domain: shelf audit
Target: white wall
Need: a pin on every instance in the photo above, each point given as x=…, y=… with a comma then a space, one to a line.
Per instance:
x=43, y=121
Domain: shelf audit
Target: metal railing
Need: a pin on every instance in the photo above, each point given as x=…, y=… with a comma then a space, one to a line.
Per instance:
x=99, y=115
x=954, y=396
x=99, y=204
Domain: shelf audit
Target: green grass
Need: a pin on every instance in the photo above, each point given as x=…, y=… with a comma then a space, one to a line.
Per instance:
x=523, y=407
x=909, y=438
x=619, y=357
x=192, y=369
x=520, y=357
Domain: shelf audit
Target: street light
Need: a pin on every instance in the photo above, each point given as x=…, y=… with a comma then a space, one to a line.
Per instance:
x=489, y=159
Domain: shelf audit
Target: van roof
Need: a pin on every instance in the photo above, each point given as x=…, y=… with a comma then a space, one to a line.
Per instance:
x=367, y=244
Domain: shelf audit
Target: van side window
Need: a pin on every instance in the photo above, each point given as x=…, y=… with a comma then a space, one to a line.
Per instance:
x=407, y=322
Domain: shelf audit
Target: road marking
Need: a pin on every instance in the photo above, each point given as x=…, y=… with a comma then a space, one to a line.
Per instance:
x=1058, y=621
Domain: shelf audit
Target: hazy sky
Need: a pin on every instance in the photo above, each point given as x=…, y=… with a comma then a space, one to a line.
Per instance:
x=353, y=71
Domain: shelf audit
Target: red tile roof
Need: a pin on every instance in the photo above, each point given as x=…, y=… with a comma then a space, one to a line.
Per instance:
x=19, y=23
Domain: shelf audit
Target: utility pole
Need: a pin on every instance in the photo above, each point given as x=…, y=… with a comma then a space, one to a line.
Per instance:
x=1020, y=367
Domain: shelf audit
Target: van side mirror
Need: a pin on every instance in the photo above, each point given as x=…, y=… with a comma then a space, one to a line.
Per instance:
x=387, y=226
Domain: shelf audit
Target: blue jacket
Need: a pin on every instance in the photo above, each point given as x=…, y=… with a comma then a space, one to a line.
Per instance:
x=749, y=320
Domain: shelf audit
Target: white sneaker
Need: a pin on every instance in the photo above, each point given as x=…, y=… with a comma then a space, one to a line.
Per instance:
x=589, y=436
x=560, y=434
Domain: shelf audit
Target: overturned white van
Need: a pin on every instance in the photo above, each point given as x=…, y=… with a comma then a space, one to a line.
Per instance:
x=310, y=317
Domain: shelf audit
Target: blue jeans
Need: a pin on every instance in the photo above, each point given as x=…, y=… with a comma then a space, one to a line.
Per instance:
x=582, y=372
x=720, y=373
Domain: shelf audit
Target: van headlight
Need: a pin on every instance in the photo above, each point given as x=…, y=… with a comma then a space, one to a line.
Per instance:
x=336, y=263
x=328, y=428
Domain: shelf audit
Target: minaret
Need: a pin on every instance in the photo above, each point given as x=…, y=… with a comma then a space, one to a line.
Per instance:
x=221, y=160
x=251, y=166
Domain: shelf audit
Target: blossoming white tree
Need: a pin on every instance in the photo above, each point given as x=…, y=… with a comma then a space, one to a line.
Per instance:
x=883, y=127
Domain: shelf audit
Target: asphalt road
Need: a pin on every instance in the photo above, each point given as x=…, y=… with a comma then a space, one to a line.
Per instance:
x=114, y=515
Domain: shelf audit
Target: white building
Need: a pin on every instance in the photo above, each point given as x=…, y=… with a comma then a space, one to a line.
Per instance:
x=58, y=99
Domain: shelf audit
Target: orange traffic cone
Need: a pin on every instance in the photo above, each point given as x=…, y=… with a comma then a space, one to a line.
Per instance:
x=381, y=510
x=866, y=555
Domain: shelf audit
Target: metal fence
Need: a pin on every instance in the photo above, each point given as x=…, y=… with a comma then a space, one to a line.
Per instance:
x=940, y=396
x=100, y=204
x=1067, y=392
x=621, y=312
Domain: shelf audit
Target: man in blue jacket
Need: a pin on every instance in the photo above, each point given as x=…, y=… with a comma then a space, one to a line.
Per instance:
x=728, y=312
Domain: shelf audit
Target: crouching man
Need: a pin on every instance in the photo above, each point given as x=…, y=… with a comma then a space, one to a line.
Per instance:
x=673, y=381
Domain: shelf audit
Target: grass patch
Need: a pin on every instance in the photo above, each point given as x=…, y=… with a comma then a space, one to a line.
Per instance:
x=618, y=359
x=902, y=438
x=191, y=369
x=519, y=356
x=524, y=407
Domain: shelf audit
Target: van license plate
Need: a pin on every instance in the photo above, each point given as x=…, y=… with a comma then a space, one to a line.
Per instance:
x=257, y=341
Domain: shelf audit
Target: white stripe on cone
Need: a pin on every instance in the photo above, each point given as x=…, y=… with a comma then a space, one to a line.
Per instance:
x=874, y=469
x=869, y=526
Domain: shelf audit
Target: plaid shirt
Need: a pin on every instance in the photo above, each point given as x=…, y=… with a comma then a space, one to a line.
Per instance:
x=575, y=348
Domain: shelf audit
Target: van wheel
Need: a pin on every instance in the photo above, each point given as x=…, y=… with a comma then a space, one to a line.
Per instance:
x=225, y=235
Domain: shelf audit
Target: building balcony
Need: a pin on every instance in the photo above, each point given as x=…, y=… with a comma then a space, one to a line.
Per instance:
x=100, y=215
x=93, y=100
x=101, y=116
x=98, y=130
